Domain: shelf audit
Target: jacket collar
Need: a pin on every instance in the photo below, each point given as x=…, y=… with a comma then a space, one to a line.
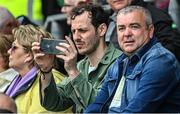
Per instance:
x=108, y=56
x=146, y=47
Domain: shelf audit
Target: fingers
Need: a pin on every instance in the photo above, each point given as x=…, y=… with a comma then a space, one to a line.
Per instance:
x=65, y=52
x=67, y=48
x=71, y=43
x=63, y=48
x=35, y=46
x=44, y=61
x=69, y=51
x=36, y=50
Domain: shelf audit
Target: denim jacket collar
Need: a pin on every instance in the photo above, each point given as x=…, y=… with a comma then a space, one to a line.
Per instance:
x=146, y=47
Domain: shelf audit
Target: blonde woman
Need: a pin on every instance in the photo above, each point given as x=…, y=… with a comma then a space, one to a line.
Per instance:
x=25, y=87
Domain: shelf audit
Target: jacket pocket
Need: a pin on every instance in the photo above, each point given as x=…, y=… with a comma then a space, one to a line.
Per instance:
x=132, y=82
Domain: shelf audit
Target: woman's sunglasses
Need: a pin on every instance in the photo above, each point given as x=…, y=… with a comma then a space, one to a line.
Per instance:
x=13, y=48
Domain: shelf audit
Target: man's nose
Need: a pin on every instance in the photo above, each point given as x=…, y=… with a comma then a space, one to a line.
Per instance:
x=76, y=35
x=127, y=32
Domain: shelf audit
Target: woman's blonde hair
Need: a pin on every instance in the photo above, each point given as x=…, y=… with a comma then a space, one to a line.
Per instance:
x=25, y=35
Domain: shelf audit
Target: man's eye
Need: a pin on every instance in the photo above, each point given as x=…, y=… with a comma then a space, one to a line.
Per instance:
x=121, y=28
x=82, y=31
x=73, y=31
x=135, y=26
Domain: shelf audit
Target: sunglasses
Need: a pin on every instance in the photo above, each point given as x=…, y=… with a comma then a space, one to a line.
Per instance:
x=13, y=48
x=17, y=45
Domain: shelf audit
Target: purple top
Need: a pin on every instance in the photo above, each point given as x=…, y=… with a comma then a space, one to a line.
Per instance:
x=19, y=81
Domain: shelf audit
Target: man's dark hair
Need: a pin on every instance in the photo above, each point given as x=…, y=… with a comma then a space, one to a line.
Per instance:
x=96, y=12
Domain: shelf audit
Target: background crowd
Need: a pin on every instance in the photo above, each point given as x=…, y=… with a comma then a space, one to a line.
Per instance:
x=119, y=56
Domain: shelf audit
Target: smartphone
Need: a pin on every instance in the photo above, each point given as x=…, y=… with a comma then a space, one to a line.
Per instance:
x=48, y=46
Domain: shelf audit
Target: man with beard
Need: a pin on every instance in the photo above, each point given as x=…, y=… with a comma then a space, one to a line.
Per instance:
x=88, y=26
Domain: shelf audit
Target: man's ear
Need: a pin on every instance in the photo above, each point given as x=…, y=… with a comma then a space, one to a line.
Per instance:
x=102, y=29
x=151, y=29
x=29, y=57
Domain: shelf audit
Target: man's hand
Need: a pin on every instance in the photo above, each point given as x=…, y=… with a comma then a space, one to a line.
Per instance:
x=44, y=61
x=69, y=57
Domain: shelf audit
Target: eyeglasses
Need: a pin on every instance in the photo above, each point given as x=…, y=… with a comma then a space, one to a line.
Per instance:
x=13, y=48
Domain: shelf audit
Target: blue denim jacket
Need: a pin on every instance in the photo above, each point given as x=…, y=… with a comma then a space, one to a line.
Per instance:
x=152, y=82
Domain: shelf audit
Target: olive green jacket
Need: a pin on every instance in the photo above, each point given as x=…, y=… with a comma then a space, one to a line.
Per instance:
x=82, y=90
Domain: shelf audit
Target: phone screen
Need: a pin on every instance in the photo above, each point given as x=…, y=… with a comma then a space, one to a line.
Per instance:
x=48, y=46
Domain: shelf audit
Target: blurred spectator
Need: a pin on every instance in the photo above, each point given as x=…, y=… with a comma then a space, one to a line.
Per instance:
x=7, y=21
x=69, y=5
x=24, y=20
x=25, y=87
x=174, y=11
x=30, y=8
x=58, y=27
x=6, y=74
x=35, y=10
x=161, y=20
x=7, y=104
x=50, y=7
x=66, y=8
x=162, y=4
